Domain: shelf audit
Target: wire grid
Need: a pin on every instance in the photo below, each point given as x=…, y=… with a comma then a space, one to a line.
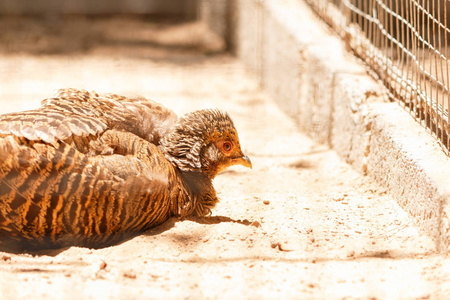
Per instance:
x=405, y=45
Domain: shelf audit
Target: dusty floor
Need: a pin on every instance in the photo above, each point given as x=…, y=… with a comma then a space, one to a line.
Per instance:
x=302, y=224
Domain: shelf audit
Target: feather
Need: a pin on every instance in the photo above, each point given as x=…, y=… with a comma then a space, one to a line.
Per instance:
x=87, y=169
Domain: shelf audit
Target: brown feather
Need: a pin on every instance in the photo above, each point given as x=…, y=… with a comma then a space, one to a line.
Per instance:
x=87, y=169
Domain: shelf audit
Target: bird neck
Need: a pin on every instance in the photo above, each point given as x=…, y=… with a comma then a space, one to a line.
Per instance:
x=201, y=192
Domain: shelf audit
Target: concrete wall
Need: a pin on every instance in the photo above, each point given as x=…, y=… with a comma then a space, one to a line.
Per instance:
x=306, y=69
x=216, y=14
x=43, y=7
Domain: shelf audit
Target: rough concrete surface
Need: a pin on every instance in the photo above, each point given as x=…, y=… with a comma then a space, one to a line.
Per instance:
x=301, y=225
x=306, y=69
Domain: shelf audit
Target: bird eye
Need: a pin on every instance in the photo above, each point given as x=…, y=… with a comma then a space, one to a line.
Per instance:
x=226, y=146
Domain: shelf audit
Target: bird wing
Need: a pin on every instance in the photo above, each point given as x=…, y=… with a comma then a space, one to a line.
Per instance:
x=80, y=113
x=60, y=196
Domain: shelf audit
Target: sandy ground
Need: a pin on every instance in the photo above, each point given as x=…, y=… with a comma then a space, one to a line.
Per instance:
x=301, y=225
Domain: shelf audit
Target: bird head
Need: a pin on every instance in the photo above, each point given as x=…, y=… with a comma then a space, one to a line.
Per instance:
x=204, y=141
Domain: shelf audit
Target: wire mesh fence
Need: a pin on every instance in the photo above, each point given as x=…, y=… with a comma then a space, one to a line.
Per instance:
x=405, y=45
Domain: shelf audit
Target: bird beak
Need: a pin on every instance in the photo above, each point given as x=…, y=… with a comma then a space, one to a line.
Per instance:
x=244, y=161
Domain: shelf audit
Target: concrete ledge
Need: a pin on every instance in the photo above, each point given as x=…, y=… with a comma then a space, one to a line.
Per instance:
x=410, y=163
x=305, y=68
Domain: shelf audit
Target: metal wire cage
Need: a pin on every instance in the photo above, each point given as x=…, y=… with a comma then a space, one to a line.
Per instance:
x=405, y=45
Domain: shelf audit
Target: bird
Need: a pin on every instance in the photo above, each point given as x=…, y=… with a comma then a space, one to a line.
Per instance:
x=87, y=169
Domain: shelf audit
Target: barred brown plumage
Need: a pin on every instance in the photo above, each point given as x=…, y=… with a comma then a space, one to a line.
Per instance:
x=86, y=169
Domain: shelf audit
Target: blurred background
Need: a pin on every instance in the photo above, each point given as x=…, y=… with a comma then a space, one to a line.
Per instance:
x=182, y=8
x=128, y=47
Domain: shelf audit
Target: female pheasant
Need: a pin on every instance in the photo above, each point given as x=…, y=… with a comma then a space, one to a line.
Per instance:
x=86, y=169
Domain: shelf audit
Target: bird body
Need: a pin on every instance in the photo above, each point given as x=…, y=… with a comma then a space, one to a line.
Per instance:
x=87, y=169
